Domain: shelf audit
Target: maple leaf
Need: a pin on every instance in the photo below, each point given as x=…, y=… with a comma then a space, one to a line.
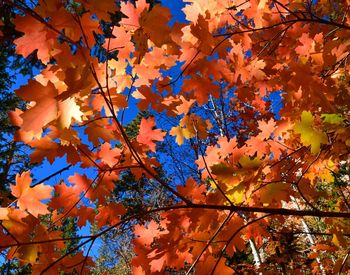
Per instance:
x=121, y=43
x=28, y=253
x=138, y=270
x=181, y=134
x=104, y=188
x=147, y=135
x=66, y=198
x=109, y=156
x=185, y=106
x=81, y=183
x=45, y=102
x=155, y=24
x=68, y=110
x=44, y=147
x=133, y=13
x=28, y=198
x=90, y=26
x=201, y=88
x=36, y=37
x=192, y=190
x=109, y=214
x=237, y=194
x=307, y=44
x=99, y=129
x=17, y=223
x=249, y=163
x=85, y=214
x=146, y=234
x=201, y=31
x=47, y=108
x=4, y=213
x=274, y=193
x=266, y=129
x=190, y=126
x=103, y=9
x=308, y=134
x=332, y=118
x=226, y=174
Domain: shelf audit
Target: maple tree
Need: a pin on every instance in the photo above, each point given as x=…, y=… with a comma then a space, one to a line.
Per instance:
x=254, y=177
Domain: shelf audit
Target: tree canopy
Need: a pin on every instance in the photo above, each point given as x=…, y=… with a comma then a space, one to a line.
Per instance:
x=226, y=181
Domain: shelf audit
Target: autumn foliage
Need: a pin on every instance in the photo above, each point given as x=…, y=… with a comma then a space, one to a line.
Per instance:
x=259, y=176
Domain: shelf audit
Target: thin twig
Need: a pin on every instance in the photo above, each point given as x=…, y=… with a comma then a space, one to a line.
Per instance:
x=233, y=236
x=344, y=262
x=229, y=216
x=52, y=175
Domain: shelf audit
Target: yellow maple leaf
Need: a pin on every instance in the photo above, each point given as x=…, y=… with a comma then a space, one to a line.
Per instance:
x=237, y=194
x=180, y=133
x=310, y=136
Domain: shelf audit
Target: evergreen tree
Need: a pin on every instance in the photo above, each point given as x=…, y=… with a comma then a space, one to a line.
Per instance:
x=14, y=156
x=116, y=249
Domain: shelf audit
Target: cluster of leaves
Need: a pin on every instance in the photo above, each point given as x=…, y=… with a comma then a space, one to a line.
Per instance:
x=13, y=155
x=254, y=177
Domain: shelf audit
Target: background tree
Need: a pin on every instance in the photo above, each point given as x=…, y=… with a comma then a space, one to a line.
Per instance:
x=116, y=248
x=14, y=155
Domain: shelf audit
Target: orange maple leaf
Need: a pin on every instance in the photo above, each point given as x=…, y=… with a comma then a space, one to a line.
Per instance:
x=45, y=103
x=147, y=135
x=154, y=23
x=36, y=37
x=29, y=197
x=109, y=214
x=266, y=128
x=133, y=13
x=47, y=107
x=110, y=156
x=147, y=234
